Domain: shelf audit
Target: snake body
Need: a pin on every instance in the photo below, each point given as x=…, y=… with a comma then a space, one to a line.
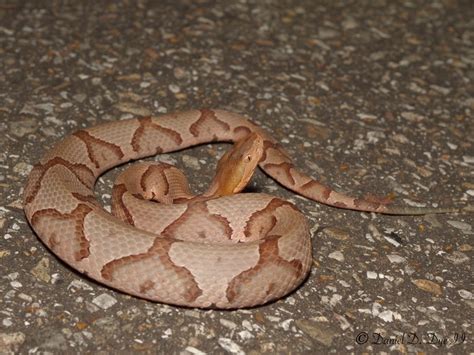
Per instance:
x=229, y=252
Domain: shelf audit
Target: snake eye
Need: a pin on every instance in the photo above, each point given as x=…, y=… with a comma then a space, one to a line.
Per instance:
x=249, y=158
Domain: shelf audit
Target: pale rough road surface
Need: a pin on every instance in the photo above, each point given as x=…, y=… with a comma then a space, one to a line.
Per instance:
x=371, y=97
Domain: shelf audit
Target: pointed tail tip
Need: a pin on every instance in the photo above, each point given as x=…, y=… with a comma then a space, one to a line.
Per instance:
x=419, y=211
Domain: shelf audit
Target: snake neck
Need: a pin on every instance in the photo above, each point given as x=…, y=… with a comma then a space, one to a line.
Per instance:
x=236, y=167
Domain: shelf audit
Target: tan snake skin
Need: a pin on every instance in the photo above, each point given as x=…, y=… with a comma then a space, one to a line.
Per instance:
x=229, y=252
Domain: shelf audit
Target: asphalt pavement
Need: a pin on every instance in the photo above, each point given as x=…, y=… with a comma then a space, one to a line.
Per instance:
x=373, y=98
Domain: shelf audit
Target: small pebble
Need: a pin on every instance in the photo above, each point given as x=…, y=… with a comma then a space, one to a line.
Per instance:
x=104, y=301
x=371, y=275
x=429, y=286
x=337, y=255
x=467, y=295
x=174, y=88
x=396, y=258
x=230, y=346
x=460, y=225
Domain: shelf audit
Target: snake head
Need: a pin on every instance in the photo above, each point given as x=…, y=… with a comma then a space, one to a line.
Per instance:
x=237, y=166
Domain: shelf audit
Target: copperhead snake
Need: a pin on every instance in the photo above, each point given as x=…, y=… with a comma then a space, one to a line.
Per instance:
x=216, y=250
